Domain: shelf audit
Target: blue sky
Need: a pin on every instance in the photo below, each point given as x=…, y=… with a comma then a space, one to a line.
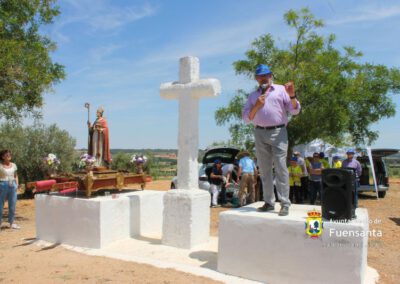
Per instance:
x=117, y=53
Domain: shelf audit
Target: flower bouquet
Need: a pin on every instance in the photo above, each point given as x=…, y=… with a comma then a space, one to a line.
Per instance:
x=139, y=161
x=51, y=163
x=86, y=162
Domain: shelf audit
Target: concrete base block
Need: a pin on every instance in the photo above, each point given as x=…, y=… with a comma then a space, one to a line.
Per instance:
x=92, y=223
x=265, y=247
x=186, y=218
x=146, y=215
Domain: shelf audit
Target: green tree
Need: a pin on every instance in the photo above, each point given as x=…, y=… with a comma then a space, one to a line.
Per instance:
x=31, y=144
x=121, y=162
x=340, y=96
x=26, y=69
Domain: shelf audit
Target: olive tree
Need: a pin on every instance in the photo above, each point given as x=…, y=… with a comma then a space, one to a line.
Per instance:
x=340, y=96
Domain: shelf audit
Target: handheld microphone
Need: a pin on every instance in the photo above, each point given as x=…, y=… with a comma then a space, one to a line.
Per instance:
x=264, y=88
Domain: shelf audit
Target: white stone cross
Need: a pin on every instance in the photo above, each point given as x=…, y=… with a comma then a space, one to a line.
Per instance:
x=188, y=91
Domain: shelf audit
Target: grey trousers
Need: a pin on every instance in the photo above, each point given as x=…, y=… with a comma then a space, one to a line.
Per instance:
x=271, y=150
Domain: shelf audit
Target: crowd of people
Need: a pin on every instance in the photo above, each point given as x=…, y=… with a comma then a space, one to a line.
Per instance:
x=305, y=178
x=305, y=175
x=222, y=176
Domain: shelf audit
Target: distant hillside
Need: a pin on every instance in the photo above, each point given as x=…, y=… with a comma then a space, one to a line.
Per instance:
x=159, y=154
x=116, y=150
x=152, y=151
x=394, y=157
x=393, y=160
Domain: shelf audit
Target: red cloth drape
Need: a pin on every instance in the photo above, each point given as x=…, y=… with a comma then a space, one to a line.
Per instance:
x=45, y=184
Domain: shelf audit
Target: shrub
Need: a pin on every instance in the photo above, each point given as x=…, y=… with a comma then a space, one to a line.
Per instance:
x=30, y=144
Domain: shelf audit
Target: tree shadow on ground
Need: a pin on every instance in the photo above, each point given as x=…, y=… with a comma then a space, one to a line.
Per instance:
x=210, y=258
x=364, y=195
x=79, y=193
x=26, y=195
x=48, y=247
x=152, y=241
x=27, y=242
x=16, y=218
x=396, y=220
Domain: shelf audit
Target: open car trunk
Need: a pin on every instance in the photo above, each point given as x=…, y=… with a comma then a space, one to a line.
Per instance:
x=226, y=155
x=381, y=172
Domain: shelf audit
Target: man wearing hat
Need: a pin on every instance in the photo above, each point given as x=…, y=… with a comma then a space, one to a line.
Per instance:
x=267, y=109
x=351, y=162
x=247, y=173
x=323, y=160
x=337, y=163
x=315, y=180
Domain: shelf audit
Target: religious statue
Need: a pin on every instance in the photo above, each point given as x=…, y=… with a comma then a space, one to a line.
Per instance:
x=99, y=143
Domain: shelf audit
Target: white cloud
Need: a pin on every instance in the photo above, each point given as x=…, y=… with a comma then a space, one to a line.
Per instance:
x=78, y=72
x=104, y=71
x=111, y=18
x=367, y=14
x=103, y=16
x=218, y=41
x=59, y=37
x=98, y=53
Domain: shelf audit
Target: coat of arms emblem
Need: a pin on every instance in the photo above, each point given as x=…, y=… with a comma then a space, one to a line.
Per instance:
x=314, y=224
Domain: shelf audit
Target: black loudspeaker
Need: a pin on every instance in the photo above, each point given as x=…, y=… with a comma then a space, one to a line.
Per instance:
x=338, y=189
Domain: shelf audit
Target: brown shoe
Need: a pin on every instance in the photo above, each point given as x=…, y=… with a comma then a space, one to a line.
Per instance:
x=266, y=207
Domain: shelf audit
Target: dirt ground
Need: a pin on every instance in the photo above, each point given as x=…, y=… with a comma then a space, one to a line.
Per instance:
x=24, y=262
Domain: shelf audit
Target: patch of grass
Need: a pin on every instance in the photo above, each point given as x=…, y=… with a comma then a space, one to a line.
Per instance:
x=394, y=172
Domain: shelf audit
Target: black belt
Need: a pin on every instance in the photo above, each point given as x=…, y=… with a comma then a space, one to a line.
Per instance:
x=270, y=127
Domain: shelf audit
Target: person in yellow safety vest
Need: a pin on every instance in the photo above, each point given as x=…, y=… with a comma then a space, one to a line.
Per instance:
x=337, y=163
x=295, y=174
x=324, y=161
x=302, y=162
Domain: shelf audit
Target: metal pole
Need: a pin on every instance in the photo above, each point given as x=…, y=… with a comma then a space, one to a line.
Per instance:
x=87, y=105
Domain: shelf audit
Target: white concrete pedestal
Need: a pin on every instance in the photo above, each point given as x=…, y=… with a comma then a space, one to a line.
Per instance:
x=265, y=247
x=100, y=221
x=146, y=213
x=91, y=223
x=186, y=218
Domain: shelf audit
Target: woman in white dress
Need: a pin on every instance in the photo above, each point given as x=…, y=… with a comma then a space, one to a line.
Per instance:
x=8, y=187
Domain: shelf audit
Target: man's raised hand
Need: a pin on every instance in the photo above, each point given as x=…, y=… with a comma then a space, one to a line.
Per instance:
x=289, y=87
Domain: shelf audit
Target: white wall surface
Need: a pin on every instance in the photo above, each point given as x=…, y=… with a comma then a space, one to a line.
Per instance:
x=265, y=247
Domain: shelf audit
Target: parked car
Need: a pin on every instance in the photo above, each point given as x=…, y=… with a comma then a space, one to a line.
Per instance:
x=381, y=172
x=227, y=155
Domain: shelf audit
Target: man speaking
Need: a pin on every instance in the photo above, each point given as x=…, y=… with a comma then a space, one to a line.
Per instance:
x=267, y=109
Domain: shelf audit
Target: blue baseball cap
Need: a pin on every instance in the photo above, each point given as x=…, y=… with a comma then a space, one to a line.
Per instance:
x=321, y=155
x=336, y=157
x=217, y=161
x=293, y=159
x=350, y=151
x=262, y=69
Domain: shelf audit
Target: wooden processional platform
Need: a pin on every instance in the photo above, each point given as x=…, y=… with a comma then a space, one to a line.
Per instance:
x=103, y=178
